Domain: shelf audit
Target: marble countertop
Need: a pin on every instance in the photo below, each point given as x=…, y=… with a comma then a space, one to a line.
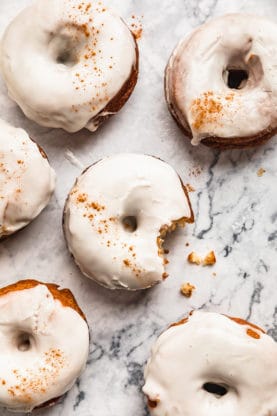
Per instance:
x=235, y=209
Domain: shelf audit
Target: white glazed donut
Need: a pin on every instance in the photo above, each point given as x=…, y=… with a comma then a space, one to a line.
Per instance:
x=117, y=215
x=44, y=344
x=69, y=63
x=221, y=82
x=212, y=365
x=26, y=179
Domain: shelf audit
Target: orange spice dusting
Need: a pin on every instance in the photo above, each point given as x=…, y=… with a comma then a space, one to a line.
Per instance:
x=38, y=380
x=253, y=334
x=127, y=262
x=190, y=188
x=136, y=26
x=195, y=171
x=206, y=110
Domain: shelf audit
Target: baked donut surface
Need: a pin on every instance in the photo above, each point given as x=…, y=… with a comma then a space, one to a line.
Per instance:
x=221, y=82
x=210, y=364
x=26, y=179
x=44, y=344
x=69, y=63
x=117, y=215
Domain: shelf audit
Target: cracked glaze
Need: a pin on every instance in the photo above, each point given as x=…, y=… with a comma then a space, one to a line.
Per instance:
x=236, y=216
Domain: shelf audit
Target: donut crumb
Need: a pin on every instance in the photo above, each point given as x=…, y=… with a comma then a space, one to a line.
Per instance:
x=209, y=259
x=187, y=289
x=190, y=188
x=193, y=258
x=260, y=172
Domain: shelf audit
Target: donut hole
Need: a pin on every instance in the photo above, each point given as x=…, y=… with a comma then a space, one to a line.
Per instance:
x=216, y=389
x=24, y=342
x=66, y=45
x=130, y=223
x=237, y=78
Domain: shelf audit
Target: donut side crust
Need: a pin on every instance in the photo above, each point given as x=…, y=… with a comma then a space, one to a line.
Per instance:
x=115, y=105
x=65, y=296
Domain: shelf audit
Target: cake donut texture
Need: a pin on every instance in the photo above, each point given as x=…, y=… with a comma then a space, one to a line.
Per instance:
x=69, y=63
x=26, y=179
x=117, y=215
x=44, y=344
x=221, y=82
x=210, y=364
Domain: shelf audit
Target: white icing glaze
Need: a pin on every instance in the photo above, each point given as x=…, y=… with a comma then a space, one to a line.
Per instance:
x=109, y=191
x=100, y=52
x=212, y=348
x=26, y=179
x=197, y=92
x=58, y=353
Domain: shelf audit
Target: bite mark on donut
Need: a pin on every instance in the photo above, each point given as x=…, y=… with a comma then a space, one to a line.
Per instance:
x=65, y=296
x=165, y=229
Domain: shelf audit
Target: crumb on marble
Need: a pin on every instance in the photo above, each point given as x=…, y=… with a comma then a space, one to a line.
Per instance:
x=209, y=259
x=187, y=289
x=260, y=172
x=190, y=188
x=193, y=258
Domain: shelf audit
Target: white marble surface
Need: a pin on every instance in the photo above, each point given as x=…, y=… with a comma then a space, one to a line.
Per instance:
x=236, y=215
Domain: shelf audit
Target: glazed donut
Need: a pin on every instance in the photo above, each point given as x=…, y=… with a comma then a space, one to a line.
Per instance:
x=221, y=82
x=69, y=63
x=26, y=179
x=44, y=344
x=117, y=215
x=210, y=364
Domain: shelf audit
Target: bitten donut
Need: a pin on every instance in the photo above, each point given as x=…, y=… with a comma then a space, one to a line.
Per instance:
x=221, y=82
x=44, y=344
x=117, y=215
x=26, y=179
x=69, y=63
x=211, y=364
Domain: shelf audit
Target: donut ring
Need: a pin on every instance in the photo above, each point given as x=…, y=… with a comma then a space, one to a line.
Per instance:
x=69, y=63
x=221, y=85
x=44, y=344
x=24, y=192
x=211, y=364
x=117, y=215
